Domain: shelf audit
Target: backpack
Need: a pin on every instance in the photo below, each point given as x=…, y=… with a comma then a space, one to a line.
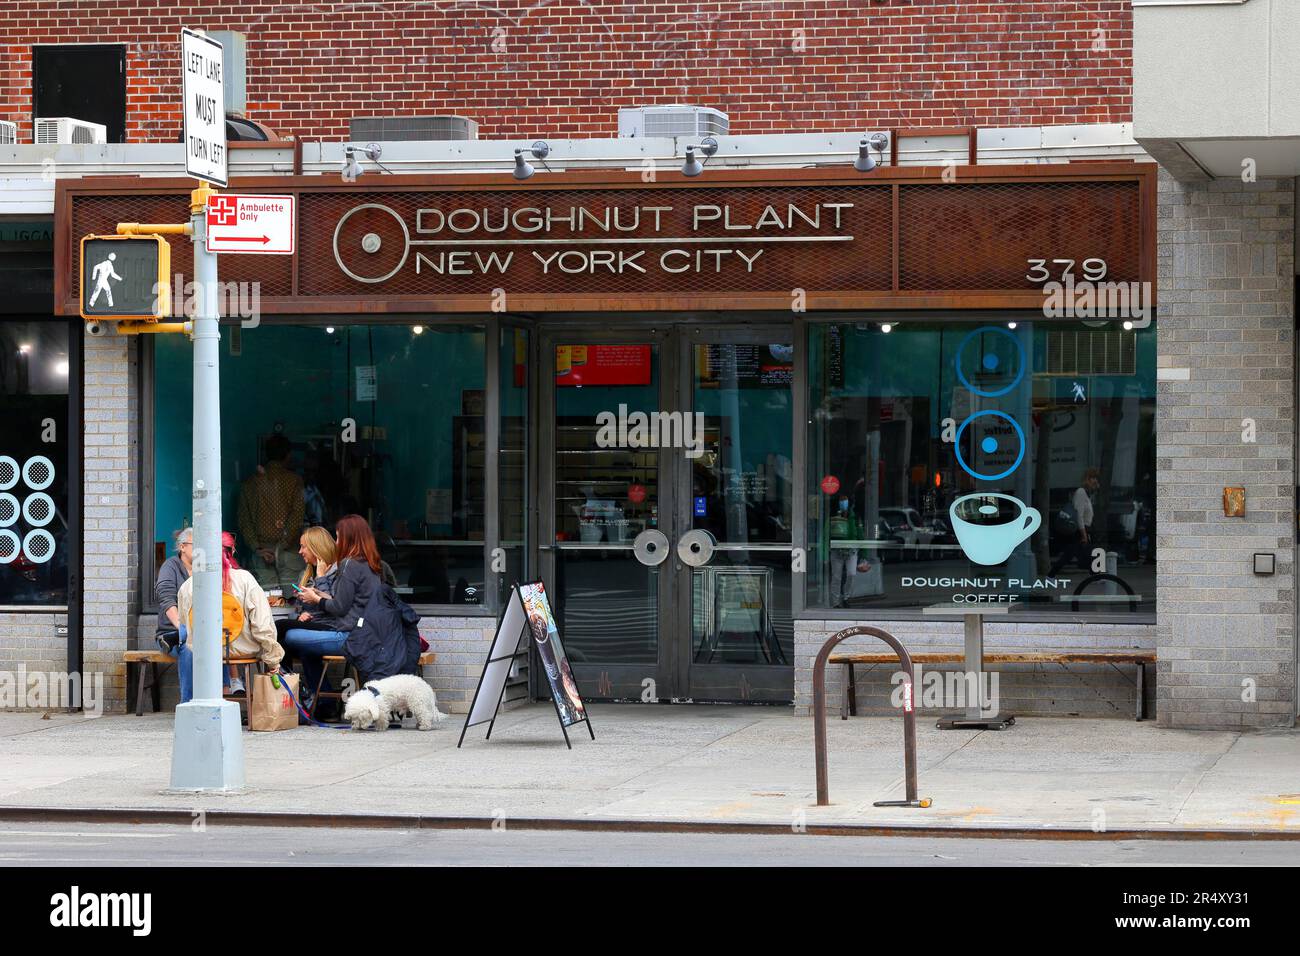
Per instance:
x=386, y=640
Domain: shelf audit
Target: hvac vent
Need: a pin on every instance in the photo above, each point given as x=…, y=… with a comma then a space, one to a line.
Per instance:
x=8, y=133
x=65, y=129
x=1104, y=352
x=669, y=121
x=398, y=129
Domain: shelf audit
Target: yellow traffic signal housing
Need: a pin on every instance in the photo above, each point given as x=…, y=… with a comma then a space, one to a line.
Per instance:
x=126, y=277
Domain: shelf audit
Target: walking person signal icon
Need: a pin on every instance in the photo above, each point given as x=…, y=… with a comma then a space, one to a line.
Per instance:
x=125, y=277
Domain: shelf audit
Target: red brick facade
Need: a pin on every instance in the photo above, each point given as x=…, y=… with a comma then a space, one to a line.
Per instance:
x=562, y=69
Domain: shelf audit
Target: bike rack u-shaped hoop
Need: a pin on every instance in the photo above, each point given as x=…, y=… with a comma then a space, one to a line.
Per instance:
x=909, y=714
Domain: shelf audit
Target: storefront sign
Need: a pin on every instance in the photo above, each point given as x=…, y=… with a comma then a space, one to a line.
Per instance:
x=602, y=241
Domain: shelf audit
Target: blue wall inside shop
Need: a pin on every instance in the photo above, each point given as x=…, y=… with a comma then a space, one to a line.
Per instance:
x=304, y=380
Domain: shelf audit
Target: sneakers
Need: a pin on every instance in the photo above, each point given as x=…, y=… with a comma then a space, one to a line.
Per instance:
x=236, y=688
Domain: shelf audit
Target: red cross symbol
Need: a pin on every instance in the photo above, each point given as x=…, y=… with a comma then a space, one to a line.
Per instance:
x=222, y=211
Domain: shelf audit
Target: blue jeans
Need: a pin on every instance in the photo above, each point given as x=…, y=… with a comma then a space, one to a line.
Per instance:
x=309, y=647
x=184, y=655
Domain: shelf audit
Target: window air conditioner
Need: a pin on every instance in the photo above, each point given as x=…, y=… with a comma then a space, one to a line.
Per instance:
x=8, y=133
x=65, y=129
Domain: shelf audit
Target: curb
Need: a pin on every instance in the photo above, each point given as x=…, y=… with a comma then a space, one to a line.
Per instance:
x=233, y=818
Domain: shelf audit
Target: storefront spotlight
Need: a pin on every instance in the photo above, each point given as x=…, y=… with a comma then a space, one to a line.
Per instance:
x=418, y=329
x=1128, y=326
x=886, y=327
x=864, y=163
x=523, y=168
x=352, y=169
x=693, y=167
x=1011, y=325
x=329, y=330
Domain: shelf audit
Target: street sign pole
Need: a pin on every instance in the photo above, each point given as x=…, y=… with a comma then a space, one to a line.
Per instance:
x=208, y=748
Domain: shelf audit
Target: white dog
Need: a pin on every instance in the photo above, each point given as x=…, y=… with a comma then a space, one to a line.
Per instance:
x=380, y=701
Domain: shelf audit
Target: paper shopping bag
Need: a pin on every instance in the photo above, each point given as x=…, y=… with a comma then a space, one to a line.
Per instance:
x=272, y=708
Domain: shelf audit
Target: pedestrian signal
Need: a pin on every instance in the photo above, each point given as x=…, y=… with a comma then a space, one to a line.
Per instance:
x=125, y=277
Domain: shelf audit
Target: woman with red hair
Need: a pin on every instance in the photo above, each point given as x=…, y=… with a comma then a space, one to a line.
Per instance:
x=359, y=577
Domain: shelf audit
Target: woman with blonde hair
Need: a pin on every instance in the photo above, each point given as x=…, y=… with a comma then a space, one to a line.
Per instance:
x=317, y=549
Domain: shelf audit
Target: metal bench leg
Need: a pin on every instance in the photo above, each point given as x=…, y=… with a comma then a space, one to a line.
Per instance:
x=1141, y=692
x=853, y=693
x=155, y=690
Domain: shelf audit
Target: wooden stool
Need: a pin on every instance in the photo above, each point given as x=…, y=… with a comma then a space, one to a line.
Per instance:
x=245, y=667
x=348, y=671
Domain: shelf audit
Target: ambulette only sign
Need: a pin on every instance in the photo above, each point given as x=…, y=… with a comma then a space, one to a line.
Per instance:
x=261, y=224
x=202, y=78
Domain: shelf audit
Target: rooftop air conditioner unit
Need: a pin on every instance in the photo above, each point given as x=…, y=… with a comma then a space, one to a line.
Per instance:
x=395, y=129
x=670, y=121
x=8, y=133
x=65, y=129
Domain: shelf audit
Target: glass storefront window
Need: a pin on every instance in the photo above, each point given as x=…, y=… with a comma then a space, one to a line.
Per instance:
x=384, y=421
x=998, y=463
x=33, y=463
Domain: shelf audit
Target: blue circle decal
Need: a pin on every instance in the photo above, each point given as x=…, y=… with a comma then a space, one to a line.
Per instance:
x=1020, y=434
x=990, y=366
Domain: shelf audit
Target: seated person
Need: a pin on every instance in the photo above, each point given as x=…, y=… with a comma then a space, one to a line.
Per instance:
x=256, y=638
x=358, y=580
x=317, y=549
x=171, y=632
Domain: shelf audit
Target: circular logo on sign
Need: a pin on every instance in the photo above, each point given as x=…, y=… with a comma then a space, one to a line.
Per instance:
x=364, y=234
x=991, y=445
x=830, y=484
x=1002, y=357
x=636, y=494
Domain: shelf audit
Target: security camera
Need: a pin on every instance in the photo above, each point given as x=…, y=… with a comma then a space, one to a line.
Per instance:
x=97, y=329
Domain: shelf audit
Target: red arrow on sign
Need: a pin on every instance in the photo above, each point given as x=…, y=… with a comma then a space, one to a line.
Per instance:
x=262, y=239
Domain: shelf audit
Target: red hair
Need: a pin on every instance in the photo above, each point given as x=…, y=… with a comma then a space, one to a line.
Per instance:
x=355, y=540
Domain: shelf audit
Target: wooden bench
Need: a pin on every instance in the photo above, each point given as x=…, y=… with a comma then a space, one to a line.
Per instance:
x=1139, y=658
x=148, y=663
x=427, y=657
x=150, y=677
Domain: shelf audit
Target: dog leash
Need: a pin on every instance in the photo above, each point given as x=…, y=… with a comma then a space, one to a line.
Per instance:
x=284, y=686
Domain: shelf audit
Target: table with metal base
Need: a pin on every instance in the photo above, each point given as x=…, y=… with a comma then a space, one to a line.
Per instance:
x=976, y=716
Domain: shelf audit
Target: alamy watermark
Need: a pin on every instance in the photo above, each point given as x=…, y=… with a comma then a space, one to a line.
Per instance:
x=241, y=300
x=948, y=690
x=624, y=429
x=52, y=690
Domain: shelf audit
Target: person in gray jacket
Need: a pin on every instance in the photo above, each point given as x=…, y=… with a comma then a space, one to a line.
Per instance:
x=171, y=633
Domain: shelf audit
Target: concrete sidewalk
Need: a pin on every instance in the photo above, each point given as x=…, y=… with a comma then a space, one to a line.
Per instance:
x=689, y=764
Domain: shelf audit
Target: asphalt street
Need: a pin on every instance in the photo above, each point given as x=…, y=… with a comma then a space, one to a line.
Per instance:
x=122, y=845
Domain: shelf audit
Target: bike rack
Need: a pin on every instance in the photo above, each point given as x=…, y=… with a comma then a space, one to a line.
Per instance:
x=909, y=714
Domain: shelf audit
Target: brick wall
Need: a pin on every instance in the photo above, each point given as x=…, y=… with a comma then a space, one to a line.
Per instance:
x=523, y=67
x=111, y=503
x=1226, y=291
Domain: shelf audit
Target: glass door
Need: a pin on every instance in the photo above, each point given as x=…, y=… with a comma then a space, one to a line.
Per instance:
x=735, y=627
x=607, y=480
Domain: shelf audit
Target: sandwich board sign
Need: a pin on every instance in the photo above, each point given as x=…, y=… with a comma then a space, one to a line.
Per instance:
x=527, y=619
x=257, y=224
x=204, y=107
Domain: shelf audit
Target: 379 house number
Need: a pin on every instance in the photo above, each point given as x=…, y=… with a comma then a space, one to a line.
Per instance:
x=1094, y=270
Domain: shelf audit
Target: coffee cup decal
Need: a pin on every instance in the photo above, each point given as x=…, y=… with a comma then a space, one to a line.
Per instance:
x=989, y=526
